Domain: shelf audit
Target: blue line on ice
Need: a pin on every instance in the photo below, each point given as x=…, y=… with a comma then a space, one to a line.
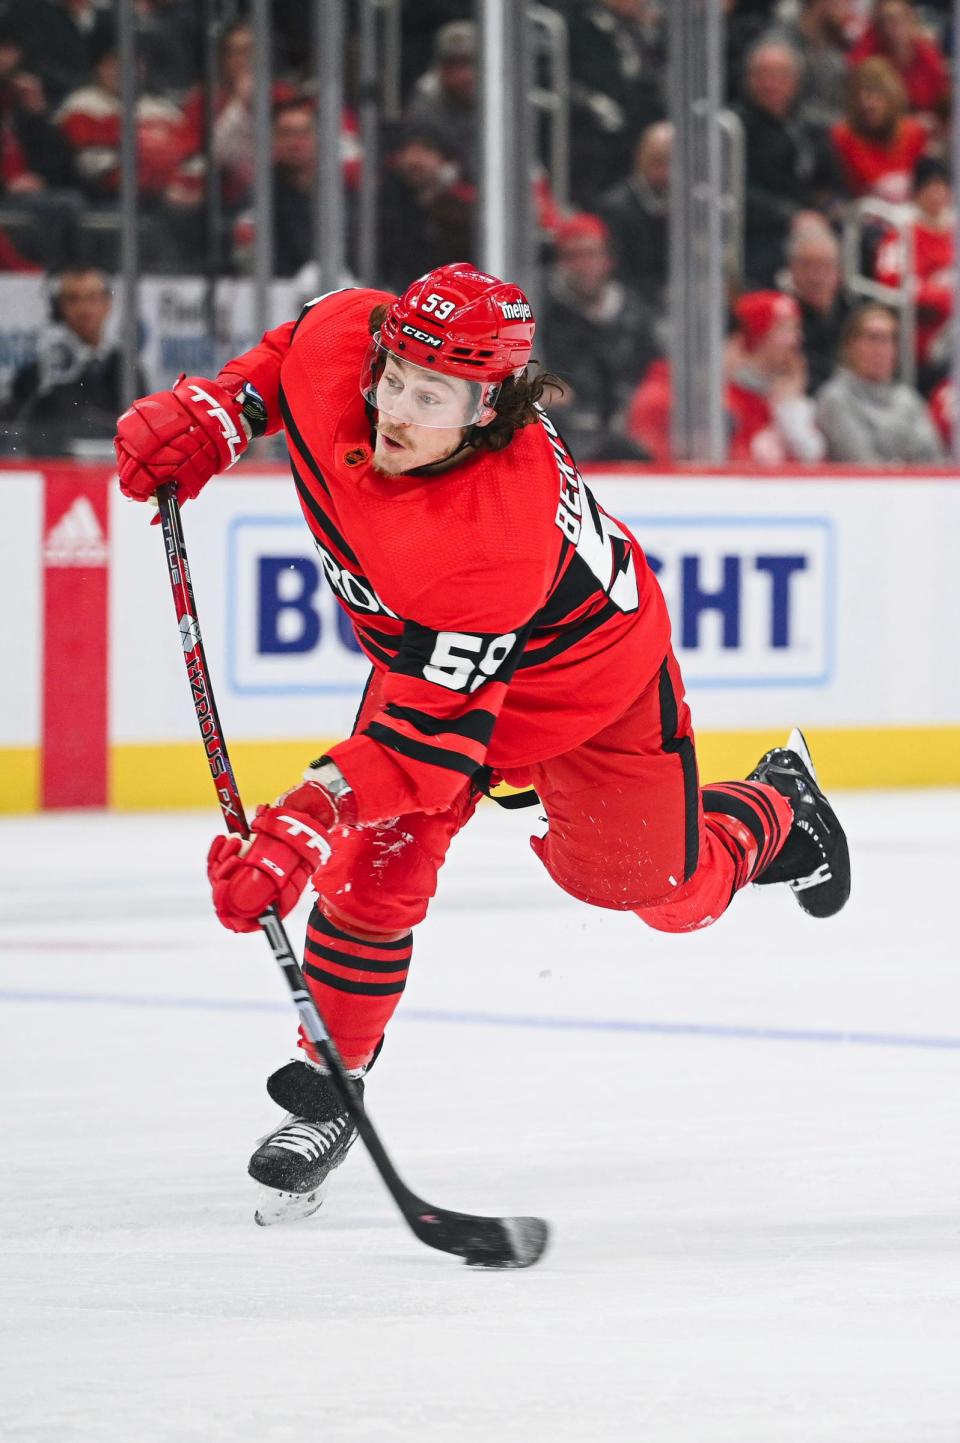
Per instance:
x=496, y=1019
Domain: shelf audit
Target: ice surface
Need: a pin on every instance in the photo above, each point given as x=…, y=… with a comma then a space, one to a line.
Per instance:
x=756, y=1223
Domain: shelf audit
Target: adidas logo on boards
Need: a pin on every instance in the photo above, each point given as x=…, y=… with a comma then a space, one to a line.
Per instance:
x=77, y=539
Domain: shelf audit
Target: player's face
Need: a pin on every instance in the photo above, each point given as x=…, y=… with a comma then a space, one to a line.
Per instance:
x=420, y=416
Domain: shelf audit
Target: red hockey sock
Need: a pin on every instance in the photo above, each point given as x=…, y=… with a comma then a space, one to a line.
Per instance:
x=751, y=821
x=356, y=983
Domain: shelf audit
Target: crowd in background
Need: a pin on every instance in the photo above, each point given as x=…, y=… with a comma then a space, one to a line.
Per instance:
x=839, y=100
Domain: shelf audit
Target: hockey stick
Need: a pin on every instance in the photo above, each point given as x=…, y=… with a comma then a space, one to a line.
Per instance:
x=481, y=1241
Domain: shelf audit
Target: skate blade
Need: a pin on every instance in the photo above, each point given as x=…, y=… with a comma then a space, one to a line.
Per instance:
x=275, y=1207
x=797, y=742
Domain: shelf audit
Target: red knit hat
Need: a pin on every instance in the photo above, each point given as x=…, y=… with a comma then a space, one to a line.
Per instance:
x=581, y=226
x=758, y=312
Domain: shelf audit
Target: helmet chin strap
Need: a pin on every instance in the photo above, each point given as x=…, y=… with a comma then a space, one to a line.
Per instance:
x=444, y=462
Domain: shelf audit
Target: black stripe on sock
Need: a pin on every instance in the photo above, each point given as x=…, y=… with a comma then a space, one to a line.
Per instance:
x=730, y=805
x=345, y=984
x=355, y=964
x=763, y=804
x=321, y=923
x=421, y=751
x=682, y=747
x=741, y=862
x=475, y=726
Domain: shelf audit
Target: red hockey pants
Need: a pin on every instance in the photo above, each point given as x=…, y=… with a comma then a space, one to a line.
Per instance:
x=629, y=829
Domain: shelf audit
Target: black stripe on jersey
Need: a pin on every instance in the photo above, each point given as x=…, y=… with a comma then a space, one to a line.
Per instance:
x=477, y=725
x=683, y=747
x=321, y=923
x=421, y=751
x=355, y=964
x=345, y=984
x=534, y=655
x=379, y=638
x=366, y=687
x=375, y=650
x=320, y=516
x=294, y=430
x=576, y=586
x=418, y=645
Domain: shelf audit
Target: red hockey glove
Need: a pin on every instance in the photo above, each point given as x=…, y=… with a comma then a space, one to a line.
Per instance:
x=271, y=870
x=184, y=436
x=323, y=795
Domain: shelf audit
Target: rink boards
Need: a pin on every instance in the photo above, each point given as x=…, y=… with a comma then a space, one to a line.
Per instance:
x=828, y=600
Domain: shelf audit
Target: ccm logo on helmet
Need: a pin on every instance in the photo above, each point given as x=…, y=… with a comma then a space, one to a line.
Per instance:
x=427, y=340
x=515, y=310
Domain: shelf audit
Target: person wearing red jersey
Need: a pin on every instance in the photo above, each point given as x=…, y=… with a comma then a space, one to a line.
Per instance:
x=770, y=418
x=878, y=144
x=515, y=631
x=895, y=33
x=931, y=261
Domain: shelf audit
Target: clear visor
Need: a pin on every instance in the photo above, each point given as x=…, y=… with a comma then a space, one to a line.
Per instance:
x=417, y=396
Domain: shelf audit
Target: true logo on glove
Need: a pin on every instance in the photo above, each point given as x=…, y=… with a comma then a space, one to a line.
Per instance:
x=230, y=433
x=318, y=841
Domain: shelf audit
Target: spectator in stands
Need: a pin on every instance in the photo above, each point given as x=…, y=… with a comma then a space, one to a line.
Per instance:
x=772, y=418
x=789, y=166
x=445, y=97
x=597, y=336
x=73, y=389
x=425, y=211
x=943, y=401
x=233, y=137
x=61, y=40
x=864, y=413
x=90, y=120
x=33, y=154
x=896, y=34
x=820, y=34
x=11, y=258
x=744, y=25
x=614, y=92
x=930, y=247
x=170, y=37
x=294, y=195
x=878, y=144
x=636, y=213
x=813, y=278
x=294, y=176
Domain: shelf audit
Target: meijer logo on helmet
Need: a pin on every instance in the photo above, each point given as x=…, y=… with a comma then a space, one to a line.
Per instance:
x=515, y=310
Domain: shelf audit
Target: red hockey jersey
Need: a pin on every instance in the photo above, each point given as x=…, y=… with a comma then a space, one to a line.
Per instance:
x=933, y=265
x=511, y=617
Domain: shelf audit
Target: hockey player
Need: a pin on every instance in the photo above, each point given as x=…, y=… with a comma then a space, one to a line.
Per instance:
x=515, y=632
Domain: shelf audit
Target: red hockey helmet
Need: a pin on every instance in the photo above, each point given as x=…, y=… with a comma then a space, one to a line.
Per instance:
x=456, y=321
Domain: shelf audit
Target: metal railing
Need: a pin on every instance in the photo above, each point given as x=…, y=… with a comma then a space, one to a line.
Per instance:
x=733, y=190
x=551, y=45
x=902, y=299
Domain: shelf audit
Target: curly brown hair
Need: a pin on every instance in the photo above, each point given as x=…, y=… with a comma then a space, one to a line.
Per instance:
x=516, y=403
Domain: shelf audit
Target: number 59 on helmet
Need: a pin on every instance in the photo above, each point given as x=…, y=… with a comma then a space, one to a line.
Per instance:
x=446, y=346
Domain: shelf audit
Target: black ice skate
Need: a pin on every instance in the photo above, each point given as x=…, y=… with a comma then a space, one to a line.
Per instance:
x=814, y=861
x=293, y=1162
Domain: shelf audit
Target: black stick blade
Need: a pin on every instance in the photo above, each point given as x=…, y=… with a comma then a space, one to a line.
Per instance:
x=482, y=1242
